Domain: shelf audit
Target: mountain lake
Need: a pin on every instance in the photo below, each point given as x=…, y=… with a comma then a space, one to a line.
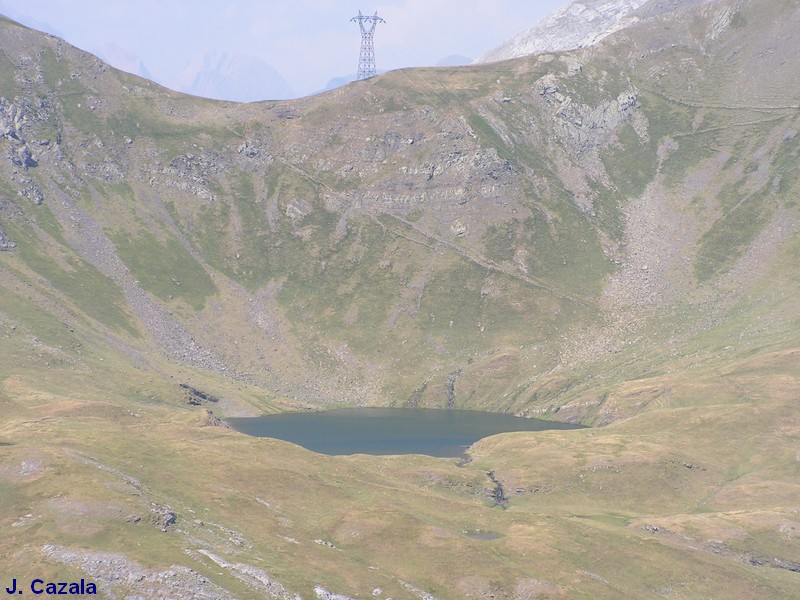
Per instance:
x=381, y=431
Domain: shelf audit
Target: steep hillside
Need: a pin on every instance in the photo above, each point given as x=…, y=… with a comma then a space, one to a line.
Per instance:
x=584, y=24
x=577, y=25
x=496, y=225
x=607, y=235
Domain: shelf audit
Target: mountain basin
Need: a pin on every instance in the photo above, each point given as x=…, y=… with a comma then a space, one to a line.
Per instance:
x=384, y=431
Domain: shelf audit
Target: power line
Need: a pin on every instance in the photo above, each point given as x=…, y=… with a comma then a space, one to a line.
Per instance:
x=366, y=61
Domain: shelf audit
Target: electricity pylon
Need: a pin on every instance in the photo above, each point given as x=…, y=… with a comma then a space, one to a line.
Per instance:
x=366, y=62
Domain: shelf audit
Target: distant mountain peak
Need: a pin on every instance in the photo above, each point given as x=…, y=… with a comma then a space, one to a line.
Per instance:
x=236, y=77
x=454, y=60
x=122, y=59
x=577, y=25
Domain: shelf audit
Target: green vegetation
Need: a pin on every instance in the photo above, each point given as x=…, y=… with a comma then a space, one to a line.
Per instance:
x=722, y=245
x=94, y=294
x=559, y=247
x=670, y=120
x=8, y=84
x=490, y=137
x=164, y=268
x=784, y=165
x=140, y=118
x=73, y=94
x=633, y=164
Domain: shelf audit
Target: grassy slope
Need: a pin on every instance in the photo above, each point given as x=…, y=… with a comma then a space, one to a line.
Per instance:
x=714, y=472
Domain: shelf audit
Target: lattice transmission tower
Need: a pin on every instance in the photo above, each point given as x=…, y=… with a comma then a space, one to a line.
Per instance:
x=366, y=61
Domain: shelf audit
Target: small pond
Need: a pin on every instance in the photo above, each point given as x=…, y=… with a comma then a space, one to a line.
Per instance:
x=444, y=433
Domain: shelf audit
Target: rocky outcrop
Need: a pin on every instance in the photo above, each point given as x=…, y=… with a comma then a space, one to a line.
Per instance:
x=196, y=397
x=116, y=572
x=5, y=243
x=323, y=594
x=582, y=126
x=776, y=563
x=16, y=119
x=12, y=120
x=497, y=493
x=32, y=193
x=162, y=516
x=253, y=577
x=578, y=25
x=22, y=156
x=416, y=395
x=451, y=389
x=212, y=420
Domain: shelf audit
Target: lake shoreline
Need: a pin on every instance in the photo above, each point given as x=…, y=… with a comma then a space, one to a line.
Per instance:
x=445, y=433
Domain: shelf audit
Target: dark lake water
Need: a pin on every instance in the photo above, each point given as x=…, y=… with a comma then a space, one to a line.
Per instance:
x=443, y=433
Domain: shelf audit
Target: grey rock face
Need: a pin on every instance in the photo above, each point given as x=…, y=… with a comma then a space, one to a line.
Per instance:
x=11, y=119
x=162, y=516
x=582, y=126
x=32, y=193
x=5, y=243
x=22, y=157
x=578, y=25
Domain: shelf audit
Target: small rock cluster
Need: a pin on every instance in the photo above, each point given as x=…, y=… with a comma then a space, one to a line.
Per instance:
x=5, y=243
x=196, y=397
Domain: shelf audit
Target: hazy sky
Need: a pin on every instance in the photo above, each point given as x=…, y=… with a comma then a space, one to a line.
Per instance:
x=308, y=41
